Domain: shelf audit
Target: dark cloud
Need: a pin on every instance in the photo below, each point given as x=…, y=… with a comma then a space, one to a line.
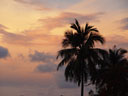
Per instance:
x=4, y=52
x=67, y=18
x=43, y=68
x=47, y=59
x=41, y=57
x=124, y=23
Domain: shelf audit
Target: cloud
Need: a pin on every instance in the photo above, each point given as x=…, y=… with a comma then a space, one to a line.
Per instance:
x=44, y=68
x=36, y=4
x=14, y=38
x=49, y=66
x=117, y=40
x=66, y=18
x=48, y=4
x=3, y=27
x=28, y=37
x=47, y=59
x=4, y=52
x=124, y=23
x=124, y=45
x=42, y=35
x=102, y=5
x=41, y=57
x=25, y=39
x=58, y=75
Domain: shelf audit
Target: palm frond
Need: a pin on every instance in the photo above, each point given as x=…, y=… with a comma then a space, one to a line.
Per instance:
x=67, y=52
x=122, y=51
x=71, y=39
x=93, y=30
x=62, y=63
x=89, y=28
x=69, y=36
x=69, y=71
x=67, y=55
x=76, y=26
x=94, y=38
x=86, y=29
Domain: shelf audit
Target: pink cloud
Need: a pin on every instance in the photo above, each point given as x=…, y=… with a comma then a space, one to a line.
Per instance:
x=2, y=27
x=66, y=18
x=28, y=39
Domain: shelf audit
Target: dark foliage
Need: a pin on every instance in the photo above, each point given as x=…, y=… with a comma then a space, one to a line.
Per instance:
x=111, y=78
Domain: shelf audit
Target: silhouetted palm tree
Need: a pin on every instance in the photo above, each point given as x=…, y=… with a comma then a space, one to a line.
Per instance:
x=112, y=76
x=79, y=54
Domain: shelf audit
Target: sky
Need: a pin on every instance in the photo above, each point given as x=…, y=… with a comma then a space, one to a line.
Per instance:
x=31, y=32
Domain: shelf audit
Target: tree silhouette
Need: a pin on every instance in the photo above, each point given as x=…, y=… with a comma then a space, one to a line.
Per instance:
x=112, y=76
x=79, y=54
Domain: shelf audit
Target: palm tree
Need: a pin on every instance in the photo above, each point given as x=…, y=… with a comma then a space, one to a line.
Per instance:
x=79, y=54
x=112, y=76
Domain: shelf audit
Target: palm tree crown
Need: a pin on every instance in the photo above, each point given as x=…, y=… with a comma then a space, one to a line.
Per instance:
x=79, y=54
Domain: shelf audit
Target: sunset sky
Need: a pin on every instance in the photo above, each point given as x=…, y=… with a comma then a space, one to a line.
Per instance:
x=31, y=32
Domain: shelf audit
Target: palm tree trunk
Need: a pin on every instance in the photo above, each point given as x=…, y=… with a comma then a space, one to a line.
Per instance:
x=82, y=85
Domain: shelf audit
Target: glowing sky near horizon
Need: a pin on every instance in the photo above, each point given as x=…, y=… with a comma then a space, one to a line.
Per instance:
x=31, y=32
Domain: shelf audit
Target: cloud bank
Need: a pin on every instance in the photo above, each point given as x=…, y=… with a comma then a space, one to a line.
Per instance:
x=44, y=68
x=41, y=57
